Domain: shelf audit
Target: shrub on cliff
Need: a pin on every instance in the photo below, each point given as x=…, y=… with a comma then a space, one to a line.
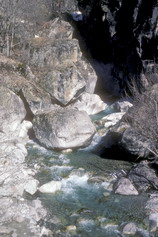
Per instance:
x=143, y=116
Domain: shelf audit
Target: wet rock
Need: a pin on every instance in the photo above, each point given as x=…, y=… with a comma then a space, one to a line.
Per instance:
x=63, y=129
x=50, y=187
x=91, y=103
x=129, y=229
x=125, y=187
x=144, y=177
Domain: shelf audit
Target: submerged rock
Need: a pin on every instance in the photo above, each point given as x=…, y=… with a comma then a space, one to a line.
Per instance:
x=63, y=129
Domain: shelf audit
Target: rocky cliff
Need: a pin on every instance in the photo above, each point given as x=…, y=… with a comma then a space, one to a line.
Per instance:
x=122, y=33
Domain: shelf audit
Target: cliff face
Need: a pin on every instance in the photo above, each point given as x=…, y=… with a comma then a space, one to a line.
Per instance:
x=123, y=33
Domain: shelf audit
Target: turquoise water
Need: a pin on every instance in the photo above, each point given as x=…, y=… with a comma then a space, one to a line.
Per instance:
x=85, y=205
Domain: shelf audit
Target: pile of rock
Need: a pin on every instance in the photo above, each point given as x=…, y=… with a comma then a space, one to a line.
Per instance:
x=16, y=178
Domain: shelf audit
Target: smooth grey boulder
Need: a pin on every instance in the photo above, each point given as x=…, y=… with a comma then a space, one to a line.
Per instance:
x=12, y=110
x=63, y=128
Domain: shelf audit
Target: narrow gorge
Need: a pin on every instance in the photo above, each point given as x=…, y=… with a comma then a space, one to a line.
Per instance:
x=79, y=118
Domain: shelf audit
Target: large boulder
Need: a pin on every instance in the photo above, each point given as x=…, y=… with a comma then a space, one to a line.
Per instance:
x=62, y=71
x=12, y=110
x=63, y=128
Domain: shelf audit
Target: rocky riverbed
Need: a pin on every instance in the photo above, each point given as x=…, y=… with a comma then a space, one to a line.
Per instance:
x=72, y=164
x=71, y=193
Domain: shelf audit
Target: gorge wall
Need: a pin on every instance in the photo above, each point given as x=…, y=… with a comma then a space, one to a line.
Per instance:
x=123, y=33
x=120, y=34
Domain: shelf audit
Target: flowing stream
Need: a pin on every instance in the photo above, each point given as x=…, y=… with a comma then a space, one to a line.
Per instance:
x=86, y=204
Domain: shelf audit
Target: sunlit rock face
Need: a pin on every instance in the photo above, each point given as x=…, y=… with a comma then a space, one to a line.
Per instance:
x=62, y=70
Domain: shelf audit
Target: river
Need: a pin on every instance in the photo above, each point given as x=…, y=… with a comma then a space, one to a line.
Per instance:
x=86, y=204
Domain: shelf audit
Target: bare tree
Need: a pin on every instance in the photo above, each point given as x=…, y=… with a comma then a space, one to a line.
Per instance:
x=17, y=17
x=7, y=24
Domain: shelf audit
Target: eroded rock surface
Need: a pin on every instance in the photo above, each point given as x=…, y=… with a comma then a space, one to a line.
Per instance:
x=64, y=73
